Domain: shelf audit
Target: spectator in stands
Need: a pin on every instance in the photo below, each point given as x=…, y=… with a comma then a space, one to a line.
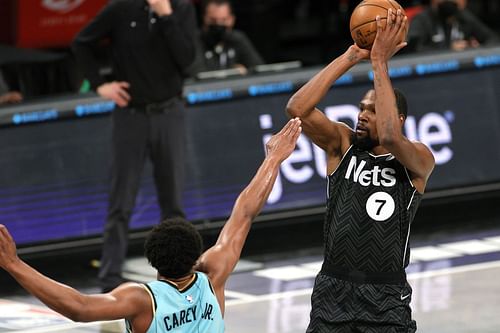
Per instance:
x=220, y=46
x=448, y=24
x=8, y=96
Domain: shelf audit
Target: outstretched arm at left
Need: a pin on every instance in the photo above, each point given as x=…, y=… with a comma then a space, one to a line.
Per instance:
x=219, y=261
x=127, y=301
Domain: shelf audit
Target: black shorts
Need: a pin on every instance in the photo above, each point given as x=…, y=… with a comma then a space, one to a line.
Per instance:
x=340, y=305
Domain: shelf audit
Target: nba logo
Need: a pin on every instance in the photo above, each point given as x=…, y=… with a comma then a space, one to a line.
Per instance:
x=189, y=298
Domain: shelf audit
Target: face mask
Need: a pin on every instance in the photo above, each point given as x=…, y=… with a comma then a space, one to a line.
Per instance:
x=214, y=34
x=447, y=9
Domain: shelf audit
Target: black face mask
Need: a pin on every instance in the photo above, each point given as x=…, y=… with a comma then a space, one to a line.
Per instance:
x=214, y=34
x=447, y=9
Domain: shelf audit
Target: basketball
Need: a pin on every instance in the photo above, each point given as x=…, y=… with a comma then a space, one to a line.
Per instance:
x=363, y=24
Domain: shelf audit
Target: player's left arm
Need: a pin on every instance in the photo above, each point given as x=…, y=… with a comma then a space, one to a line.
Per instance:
x=127, y=301
x=415, y=156
x=219, y=261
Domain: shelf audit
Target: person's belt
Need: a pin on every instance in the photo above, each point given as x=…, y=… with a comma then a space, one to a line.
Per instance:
x=153, y=108
x=360, y=277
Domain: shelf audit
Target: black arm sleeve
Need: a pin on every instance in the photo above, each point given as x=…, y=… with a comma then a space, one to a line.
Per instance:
x=198, y=64
x=87, y=41
x=180, y=31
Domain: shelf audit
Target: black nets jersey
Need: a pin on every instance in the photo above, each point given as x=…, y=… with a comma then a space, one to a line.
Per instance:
x=371, y=204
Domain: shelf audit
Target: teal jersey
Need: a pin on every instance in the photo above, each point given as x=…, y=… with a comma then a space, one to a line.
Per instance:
x=193, y=310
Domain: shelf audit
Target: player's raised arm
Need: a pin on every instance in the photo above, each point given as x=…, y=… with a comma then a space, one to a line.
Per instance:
x=323, y=132
x=415, y=156
x=219, y=261
x=127, y=301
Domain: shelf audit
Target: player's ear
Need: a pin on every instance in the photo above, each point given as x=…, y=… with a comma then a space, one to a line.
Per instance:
x=402, y=119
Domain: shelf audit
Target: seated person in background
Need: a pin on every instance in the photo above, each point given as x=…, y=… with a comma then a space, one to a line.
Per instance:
x=220, y=46
x=448, y=25
x=7, y=96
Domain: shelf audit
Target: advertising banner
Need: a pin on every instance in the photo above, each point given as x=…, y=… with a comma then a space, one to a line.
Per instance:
x=54, y=179
x=52, y=23
x=459, y=128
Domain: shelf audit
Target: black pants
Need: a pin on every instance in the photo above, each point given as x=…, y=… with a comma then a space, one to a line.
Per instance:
x=138, y=133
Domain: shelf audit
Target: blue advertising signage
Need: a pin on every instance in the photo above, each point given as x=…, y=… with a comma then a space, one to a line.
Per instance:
x=54, y=179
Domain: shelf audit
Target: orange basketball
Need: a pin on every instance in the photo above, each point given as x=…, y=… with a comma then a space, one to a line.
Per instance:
x=363, y=24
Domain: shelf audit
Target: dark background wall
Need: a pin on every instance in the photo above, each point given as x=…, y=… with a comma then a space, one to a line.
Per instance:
x=54, y=158
x=311, y=31
x=54, y=175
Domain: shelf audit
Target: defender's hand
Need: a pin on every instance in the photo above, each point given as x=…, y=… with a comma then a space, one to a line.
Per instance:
x=8, y=253
x=282, y=144
x=115, y=91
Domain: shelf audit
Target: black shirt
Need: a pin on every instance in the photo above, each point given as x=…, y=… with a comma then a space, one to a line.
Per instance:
x=149, y=52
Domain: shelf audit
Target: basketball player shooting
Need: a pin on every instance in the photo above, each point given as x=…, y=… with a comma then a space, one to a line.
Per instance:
x=376, y=179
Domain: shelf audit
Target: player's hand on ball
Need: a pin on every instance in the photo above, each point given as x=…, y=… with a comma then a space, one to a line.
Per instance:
x=388, y=39
x=356, y=53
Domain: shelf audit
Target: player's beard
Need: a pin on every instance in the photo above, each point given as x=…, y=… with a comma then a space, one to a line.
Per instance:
x=363, y=143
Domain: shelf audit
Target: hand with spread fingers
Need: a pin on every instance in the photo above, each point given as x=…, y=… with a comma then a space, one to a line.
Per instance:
x=282, y=144
x=390, y=38
x=8, y=253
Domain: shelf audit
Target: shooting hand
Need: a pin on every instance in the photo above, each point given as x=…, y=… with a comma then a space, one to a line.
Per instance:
x=8, y=253
x=390, y=38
